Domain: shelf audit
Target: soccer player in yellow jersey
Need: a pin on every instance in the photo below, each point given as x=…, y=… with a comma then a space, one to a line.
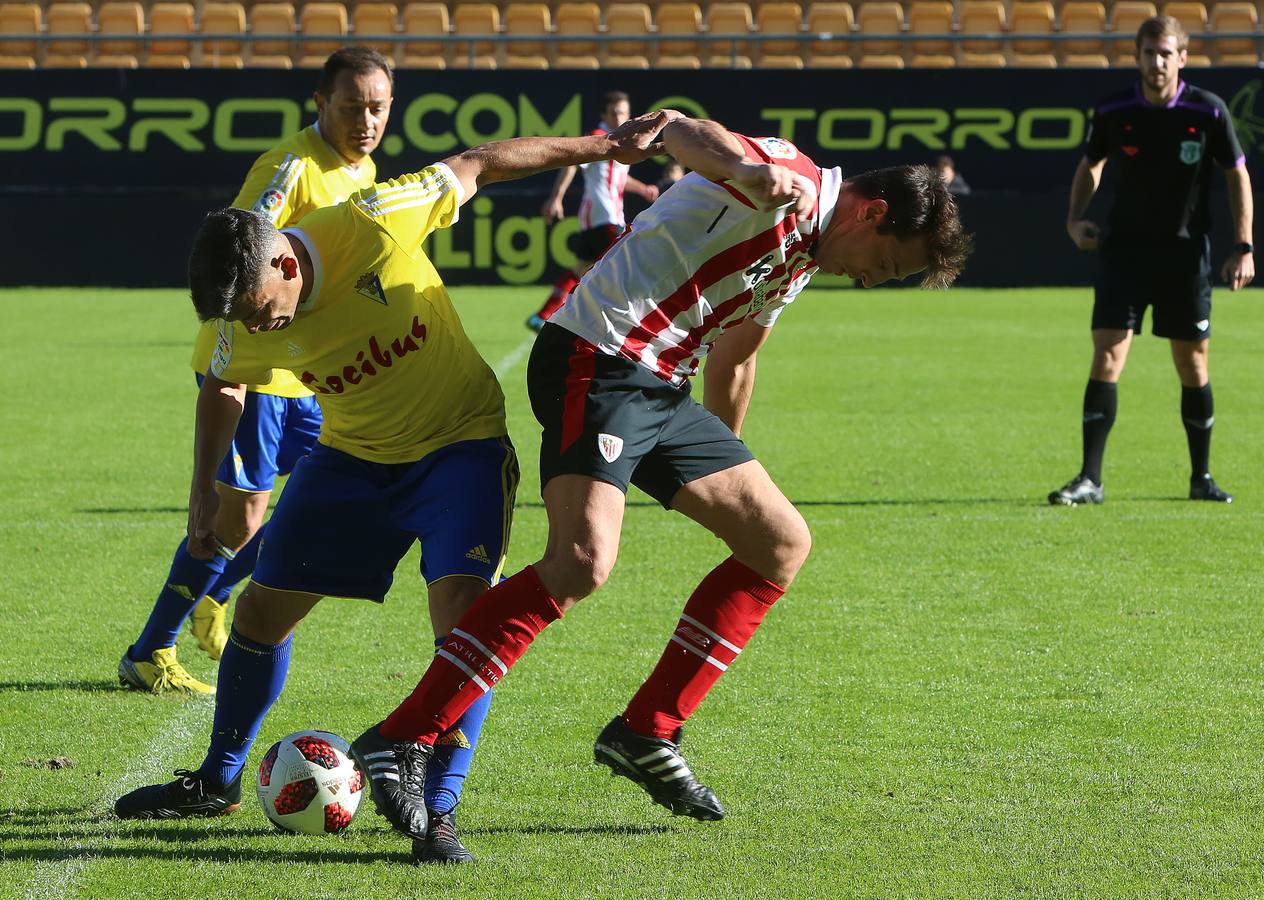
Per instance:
x=320, y=166
x=413, y=445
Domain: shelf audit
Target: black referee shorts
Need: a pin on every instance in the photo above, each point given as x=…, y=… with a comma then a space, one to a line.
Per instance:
x=1173, y=278
x=616, y=421
x=592, y=243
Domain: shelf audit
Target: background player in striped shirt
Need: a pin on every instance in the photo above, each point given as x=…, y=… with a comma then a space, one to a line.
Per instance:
x=601, y=217
x=412, y=448
x=320, y=166
x=707, y=269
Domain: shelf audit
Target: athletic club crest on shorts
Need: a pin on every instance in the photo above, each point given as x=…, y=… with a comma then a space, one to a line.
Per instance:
x=1191, y=152
x=610, y=446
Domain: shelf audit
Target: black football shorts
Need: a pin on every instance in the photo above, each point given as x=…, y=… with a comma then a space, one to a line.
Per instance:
x=1174, y=279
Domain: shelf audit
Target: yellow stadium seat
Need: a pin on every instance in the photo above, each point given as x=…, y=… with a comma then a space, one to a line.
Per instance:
x=426, y=19
x=222, y=18
x=116, y=61
x=1085, y=61
x=524, y=61
x=522, y=20
x=1033, y=61
x=272, y=19
x=69, y=18
x=479, y=61
x=122, y=17
x=1197, y=61
x=632, y=20
x=981, y=17
x=376, y=18
x=576, y=21
x=732, y=19
x=836, y=20
x=677, y=61
x=470, y=19
x=780, y=18
x=17, y=62
x=168, y=61
x=881, y=60
x=932, y=60
x=727, y=61
x=1031, y=17
x=174, y=19
x=576, y=61
x=19, y=18
x=270, y=61
x=971, y=60
x=679, y=18
x=1083, y=17
x=880, y=17
x=65, y=61
x=626, y=61
x=322, y=18
x=930, y=17
x=1126, y=17
x=780, y=61
x=1193, y=16
x=1230, y=17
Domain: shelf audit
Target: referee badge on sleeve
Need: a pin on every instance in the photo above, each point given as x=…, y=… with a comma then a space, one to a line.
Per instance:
x=1191, y=152
x=610, y=446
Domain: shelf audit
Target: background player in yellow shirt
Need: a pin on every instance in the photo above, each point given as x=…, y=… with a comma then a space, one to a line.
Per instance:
x=319, y=166
x=413, y=445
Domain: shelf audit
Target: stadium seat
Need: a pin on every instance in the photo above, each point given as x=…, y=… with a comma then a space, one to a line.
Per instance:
x=270, y=61
x=1126, y=17
x=576, y=61
x=577, y=21
x=932, y=60
x=475, y=19
x=65, y=61
x=1085, y=61
x=174, y=19
x=1197, y=61
x=122, y=17
x=679, y=18
x=524, y=61
x=632, y=20
x=981, y=17
x=930, y=17
x=523, y=20
x=677, y=60
x=17, y=62
x=727, y=60
x=982, y=60
x=376, y=18
x=1193, y=16
x=781, y=61
x=880, y=17
x=626, y=61
x=780, y=18
x=881, y=60
x=272, y=19
x=1086, y=17
x=222, y=18
x=15, y=19
x=729, y=18
x=116, y=61
x=425, y=19
x=834, y=19
x=1033, y=17
x=68, y=18
x=1231, y=17
x=1033, y=61
x=322, y=18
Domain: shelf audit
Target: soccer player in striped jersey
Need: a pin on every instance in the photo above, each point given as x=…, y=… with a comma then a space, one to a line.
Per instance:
x=320, y=166
x=601, y=218
x=705, y=272
x=412, y=447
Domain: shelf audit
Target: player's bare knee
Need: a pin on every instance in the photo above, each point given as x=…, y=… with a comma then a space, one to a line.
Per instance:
x=574, y=572
x=260, y=620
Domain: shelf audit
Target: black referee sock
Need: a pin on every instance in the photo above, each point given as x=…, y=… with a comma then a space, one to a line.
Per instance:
x=1100, y=403
x=1198, y=413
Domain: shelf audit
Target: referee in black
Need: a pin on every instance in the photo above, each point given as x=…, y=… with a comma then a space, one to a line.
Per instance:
x=1162, y=135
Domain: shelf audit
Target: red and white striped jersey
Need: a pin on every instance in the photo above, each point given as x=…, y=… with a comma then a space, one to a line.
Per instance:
x=698, y=261
x=603, y=190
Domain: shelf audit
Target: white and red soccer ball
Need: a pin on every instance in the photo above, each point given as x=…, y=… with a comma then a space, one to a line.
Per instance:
x=309, y=783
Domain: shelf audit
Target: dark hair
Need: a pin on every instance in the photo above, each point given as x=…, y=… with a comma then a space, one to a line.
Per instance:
x=1161, y=26
x=919, y=205
x=230, y=257
x=613, y=97
x=360, y=60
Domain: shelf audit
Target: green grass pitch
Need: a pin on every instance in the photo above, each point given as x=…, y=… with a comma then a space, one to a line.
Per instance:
x=966, y=693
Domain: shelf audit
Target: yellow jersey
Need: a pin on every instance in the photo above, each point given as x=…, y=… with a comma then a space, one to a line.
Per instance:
x=297, y=176
x=377, y=338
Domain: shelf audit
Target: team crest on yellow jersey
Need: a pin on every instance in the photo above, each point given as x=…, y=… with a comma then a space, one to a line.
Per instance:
x=370, y=285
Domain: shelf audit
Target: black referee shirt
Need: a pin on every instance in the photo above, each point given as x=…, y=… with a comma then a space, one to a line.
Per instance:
x=1162, y=155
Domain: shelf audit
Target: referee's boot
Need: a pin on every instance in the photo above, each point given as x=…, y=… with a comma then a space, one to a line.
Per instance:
x=657, y=766
x=1204, y=487
x=1080, y=489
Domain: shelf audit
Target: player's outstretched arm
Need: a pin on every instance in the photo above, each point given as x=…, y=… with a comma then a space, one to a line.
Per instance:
x=1239, y=268
x=728, y=378
x=633, y=141
x=712, y=150
x=219, y=409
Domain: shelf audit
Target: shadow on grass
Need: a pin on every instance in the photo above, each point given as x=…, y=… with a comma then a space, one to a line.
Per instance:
x=195, y=853
x=573, y=829
x=70, y=684
x=130, y=510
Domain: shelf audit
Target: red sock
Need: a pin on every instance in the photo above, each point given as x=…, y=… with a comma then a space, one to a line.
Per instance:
x=496, y=630
x=561, y=290
x=717, y=622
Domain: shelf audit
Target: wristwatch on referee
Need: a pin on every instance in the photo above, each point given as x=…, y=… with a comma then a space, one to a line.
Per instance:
x=1244, y=248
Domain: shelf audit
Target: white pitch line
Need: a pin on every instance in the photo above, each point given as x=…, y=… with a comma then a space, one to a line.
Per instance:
x=513, y=357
